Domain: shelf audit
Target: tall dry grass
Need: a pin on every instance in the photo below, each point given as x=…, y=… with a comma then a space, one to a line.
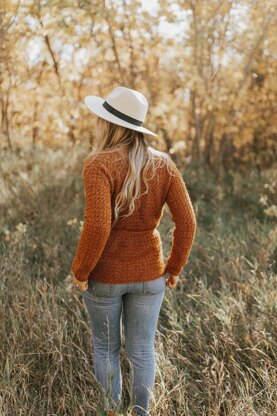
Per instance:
x=216, y=342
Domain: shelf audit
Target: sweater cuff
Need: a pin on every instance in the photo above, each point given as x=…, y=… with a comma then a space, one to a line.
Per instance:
x=82, y=285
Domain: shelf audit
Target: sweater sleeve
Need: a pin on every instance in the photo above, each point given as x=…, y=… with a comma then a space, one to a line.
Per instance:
x=97, y=220
x=183, y=216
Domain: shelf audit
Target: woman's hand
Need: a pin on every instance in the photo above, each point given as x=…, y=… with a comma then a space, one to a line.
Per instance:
x=81, y=285
x=172, y=281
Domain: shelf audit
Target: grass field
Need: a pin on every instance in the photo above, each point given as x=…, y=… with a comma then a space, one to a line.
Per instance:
x=216, y=342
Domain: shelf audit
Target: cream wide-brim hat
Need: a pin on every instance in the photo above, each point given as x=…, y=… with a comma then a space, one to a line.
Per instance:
x=123, y=106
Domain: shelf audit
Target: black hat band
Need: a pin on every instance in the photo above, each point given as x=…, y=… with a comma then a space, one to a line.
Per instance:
x=121, y=115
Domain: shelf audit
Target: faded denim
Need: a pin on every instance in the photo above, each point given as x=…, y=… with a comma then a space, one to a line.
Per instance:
x=141, y=303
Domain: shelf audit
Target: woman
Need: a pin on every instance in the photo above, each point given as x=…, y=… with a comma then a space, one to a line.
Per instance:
x=119, y=261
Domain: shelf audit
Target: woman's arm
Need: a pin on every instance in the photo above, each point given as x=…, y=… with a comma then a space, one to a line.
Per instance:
x=183, y=216
x=97, y=220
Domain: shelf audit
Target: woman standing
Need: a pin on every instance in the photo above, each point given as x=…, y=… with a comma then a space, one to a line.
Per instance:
x=119, y=265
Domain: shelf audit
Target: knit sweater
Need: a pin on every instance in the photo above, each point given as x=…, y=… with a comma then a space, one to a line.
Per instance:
x=131, y=250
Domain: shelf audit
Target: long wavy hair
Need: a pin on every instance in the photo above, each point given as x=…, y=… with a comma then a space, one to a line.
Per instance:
x=110, y=137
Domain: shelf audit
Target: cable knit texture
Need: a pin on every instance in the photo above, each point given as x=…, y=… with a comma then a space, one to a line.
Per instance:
x=131, y=251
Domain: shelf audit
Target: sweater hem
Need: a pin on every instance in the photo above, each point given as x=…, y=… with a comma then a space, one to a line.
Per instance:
x=99, y=278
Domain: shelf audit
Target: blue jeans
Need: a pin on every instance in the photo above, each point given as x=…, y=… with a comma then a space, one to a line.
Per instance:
x=141, y=303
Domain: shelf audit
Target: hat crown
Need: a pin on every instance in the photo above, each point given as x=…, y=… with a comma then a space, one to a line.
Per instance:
x=130, y=102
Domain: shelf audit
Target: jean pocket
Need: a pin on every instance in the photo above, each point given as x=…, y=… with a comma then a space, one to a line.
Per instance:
x=100, y=289
x=153, y=287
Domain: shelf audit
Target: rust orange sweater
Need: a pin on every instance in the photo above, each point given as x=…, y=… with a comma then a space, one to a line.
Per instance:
x=131, y=251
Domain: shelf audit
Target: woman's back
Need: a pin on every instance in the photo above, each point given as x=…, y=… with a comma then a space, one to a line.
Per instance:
x=131, y=249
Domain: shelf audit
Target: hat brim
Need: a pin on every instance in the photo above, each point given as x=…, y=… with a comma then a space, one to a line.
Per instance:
x=95, y=104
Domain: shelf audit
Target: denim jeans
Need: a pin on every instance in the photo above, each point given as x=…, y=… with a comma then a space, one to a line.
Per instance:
x=141, y=303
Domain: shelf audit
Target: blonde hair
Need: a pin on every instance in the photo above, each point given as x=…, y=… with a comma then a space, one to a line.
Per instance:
x=111, y=137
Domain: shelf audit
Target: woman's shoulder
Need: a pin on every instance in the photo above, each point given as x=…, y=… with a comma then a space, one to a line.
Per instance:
x=96, y=159
x=104, y=161
x=162, y=159
x=106, y=155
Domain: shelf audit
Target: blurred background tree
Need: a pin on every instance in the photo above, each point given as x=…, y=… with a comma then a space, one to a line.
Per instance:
x=207, y=68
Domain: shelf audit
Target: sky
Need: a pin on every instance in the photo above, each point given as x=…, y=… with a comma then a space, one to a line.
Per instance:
x=168, y=30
